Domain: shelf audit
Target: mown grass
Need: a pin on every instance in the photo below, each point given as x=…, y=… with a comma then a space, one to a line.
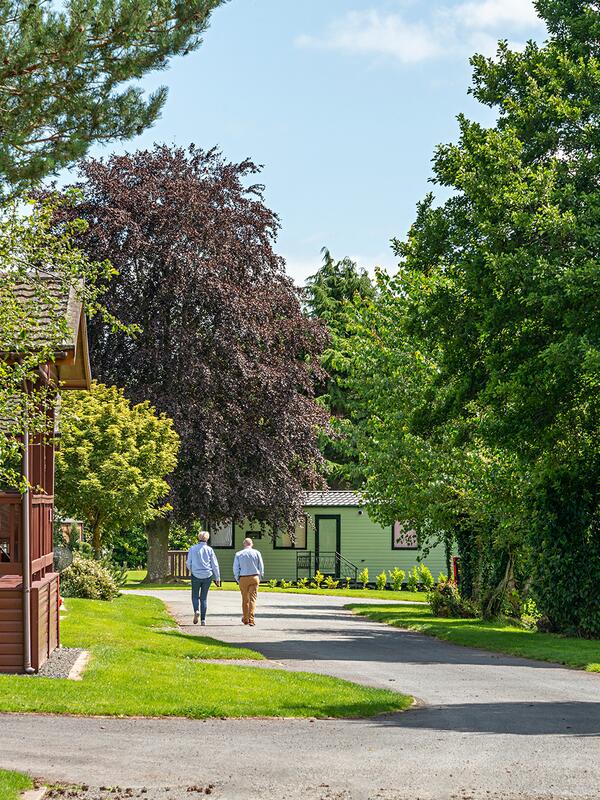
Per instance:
x=142, y=665
x=135, y=578
x=12, y=784
x=498, y=637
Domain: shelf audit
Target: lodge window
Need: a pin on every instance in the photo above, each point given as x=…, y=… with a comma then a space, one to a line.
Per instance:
x=403, y=537
x=222, y=536
x=285, y=540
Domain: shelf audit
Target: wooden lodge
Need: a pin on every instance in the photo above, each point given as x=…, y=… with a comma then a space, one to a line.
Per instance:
x=29, y=588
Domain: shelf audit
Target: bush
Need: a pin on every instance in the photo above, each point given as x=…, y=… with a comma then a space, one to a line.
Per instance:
x=88, y=579
x=285, y=584
x=381, y=580
x=397, y=578
x=363, y=577
x=412, y=582
x=442, y=578
x=425, y=578
x=318, y=580
x=302, y=583
x=330, y=583
x=347, y=582
x=273, y=583
x=445, y=601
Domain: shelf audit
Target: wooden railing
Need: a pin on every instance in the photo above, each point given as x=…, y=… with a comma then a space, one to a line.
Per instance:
x=177, y=565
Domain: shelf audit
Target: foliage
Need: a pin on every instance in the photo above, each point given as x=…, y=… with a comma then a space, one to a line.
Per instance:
x=331, y=583
x=397, y=578
x=347, y=582
x=442, y=578
x=317, y=579
x=67, y=73
x=412, y=581
x=363, y=577
x=302, y=583
x=273, y=583
x=130, y=547
x=89, y=579
x=381, y=580
x=113, y=461
x=488, y=339
x=46, y=262
x=224, y=349
x=445, y=601
x=285, y=584
x=327, y=296
x=425, y=578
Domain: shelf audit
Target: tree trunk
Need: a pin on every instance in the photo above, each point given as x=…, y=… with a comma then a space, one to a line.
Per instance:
x=97, y=541
x=157, y=531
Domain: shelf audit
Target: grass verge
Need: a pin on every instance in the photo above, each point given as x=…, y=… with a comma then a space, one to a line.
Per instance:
x=12, y=784
x=498, y=637
x=142, y=665
x=135, y=578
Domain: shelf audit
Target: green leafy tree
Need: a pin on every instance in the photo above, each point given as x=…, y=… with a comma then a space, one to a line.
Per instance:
x=113, y=461
x=66, y=72
x=328, y=296
x=505, y=277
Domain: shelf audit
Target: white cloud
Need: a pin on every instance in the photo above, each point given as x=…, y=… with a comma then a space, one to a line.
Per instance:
x=509, y=14
x=472, y=26
x=375, y=33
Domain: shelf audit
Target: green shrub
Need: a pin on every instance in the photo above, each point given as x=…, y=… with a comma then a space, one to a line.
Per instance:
x=412, y=582
x=381, y=580
x=318, y=579
x=397, y=578
x=302, y=583
x=363, y=577
x=88, y=579
x=273, y=583
x=285, y=584
x=445, y=601
x=330, y=583
x=442, y=578
x=426, y=578
x=347, y=582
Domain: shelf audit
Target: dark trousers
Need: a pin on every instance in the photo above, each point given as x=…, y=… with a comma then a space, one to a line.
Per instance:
x=200, y=586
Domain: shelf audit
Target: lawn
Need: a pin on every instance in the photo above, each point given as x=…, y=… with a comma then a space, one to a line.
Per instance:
x=496, y=636
x=142, y=665
x=135, y=578
x=12, y=784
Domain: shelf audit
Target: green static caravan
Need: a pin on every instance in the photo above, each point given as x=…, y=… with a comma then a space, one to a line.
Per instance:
x=336, y=536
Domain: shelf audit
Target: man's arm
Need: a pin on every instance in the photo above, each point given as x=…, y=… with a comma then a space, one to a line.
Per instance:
x=215, y=566
x=188, y=560
x=236, y=568
x=261, y=564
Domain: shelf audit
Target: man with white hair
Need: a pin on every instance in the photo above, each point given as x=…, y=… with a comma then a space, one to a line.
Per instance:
x=248, y=569
x=204, y=568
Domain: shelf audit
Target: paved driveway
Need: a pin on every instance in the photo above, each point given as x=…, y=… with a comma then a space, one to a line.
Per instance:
x=487, y=726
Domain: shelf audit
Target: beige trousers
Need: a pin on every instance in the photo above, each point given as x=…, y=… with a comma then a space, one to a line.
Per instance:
x=249, y=589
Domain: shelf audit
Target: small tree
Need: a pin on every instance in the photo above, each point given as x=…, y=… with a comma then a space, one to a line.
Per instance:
x=113, y=461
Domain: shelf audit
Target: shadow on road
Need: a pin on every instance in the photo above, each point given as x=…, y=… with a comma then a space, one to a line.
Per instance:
x=523, y=719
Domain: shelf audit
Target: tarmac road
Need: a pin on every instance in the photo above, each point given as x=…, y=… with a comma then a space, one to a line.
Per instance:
x=486, y=727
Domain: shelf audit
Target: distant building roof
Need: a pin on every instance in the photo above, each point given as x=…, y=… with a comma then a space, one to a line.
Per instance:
x=333, y=498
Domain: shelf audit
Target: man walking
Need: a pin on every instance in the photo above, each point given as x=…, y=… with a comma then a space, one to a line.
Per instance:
x=248, y=569
x=204, y=567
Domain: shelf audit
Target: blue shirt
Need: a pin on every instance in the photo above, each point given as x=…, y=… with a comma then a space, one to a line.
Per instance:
x=202, y=562
x=248, y=562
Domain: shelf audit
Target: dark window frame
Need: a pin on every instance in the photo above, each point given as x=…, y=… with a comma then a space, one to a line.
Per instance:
x=293, y=546
x=223, y=546
x=396, y=547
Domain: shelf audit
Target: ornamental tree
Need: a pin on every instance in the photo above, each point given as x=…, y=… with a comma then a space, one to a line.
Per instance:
x=224, y=348
x=113, y=462
x=66, y=72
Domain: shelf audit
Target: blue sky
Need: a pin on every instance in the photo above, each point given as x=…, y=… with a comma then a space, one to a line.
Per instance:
x=342, y=101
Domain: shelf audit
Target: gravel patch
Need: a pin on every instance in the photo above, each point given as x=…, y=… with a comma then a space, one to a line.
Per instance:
x=191, y=792
x=60, y=663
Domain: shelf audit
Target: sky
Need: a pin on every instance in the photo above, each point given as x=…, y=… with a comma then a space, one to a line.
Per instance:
x=341, y=101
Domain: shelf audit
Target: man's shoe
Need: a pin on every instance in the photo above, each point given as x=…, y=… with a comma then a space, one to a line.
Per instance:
x=203, y=622
x=196, y=618
x=252, y=623
x=244, y=621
